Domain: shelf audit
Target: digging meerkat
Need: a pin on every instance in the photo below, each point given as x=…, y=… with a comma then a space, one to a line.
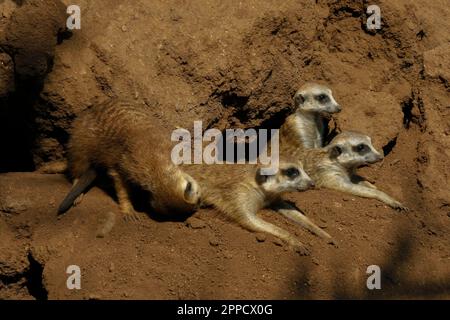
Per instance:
x=239, y=191
x=123, y=140
x=334, y=166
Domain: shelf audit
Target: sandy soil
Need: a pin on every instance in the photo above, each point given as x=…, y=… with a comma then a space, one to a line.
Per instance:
x=231, y=64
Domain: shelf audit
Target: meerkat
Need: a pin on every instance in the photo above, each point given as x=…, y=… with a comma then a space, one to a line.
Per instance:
x=334, y=166
x=239, y=191
x=124, y=141
x=306, y=127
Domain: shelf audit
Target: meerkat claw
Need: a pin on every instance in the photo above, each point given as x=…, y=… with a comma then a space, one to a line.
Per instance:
x=78, y=200
x=132, y=216
x=300, y=248
x=400, y=207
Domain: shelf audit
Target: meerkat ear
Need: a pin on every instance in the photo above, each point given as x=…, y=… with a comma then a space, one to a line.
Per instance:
x=299, y=99
x=335, y=152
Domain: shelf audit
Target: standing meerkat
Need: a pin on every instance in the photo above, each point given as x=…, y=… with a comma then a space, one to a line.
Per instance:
x=334, y=166
x=239, y=191
x=123, y=140
x=306, y=128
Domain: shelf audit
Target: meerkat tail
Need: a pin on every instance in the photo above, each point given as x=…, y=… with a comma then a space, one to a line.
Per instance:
x=80, y=186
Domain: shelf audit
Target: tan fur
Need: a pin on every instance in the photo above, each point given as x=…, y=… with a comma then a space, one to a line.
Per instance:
x=339, y=173
x=132, y=147
x=234, y=190
x=305, y=128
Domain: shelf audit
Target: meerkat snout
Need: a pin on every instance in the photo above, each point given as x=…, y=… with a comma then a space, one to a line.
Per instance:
x=317, y=98
x=191, y=190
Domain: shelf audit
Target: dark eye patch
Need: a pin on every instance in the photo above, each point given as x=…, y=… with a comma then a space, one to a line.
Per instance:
x=361, y=148
x=322, y=98
x=335, y=152
x=291, y=172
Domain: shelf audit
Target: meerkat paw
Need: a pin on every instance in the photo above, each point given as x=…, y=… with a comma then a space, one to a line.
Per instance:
x=299, y=248
x=131, y=216
x=399, y=206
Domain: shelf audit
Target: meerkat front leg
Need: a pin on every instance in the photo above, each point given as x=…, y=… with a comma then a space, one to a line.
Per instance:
x=366, y=192
x=125, y=204
x=293, y=214
x=256, y=224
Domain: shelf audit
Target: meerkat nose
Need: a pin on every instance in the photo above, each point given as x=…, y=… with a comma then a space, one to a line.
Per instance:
x=311, y=184
x=338, y=108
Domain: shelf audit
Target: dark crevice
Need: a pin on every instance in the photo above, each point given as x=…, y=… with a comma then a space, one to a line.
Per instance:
x=273, y=122
x=8, y=280
x=407, y=107
x=387, y=149
x=231, y=99
x=414, y=111
x=34, y=277
x=62, y=35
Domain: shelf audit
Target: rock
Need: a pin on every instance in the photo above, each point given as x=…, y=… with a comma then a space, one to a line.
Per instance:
x=214, y=242
x=13, y=255
x=9, y=204
x=436, y=62
x=195, y=223
x=32, y=34
x=261, y=237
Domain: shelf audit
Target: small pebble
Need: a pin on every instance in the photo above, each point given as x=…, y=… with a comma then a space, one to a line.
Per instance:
x=195, y=223
x=214, y=242
x=260, y=237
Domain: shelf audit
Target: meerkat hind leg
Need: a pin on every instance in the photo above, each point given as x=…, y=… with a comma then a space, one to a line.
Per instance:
x=256, y=224
x=293, y=214
x=125, y=205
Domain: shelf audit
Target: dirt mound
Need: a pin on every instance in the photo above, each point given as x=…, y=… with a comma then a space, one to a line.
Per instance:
x=230, y=64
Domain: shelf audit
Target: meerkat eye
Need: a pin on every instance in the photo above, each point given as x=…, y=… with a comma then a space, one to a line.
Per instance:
x=299, y=99
x=322, y=98
x=361, y=148
x=291, y=172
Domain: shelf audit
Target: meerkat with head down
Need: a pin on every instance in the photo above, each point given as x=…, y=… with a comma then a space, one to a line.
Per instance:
x=239, y=191
x=334, y=166
x=306, y=127
x=123, y=140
